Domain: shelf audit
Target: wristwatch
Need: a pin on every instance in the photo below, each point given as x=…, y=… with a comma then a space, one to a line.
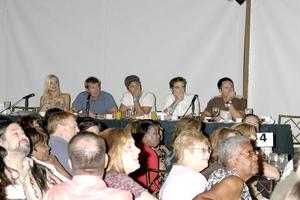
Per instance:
x=229, y=103
x=135, y=98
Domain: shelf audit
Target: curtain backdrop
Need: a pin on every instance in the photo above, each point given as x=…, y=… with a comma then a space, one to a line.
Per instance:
x=201, y=40
x=275, y=57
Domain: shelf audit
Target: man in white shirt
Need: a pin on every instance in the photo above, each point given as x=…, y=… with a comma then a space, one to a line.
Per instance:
x=179, y=102
x=135, y=100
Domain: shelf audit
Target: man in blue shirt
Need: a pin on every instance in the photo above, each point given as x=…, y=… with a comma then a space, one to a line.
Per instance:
x=94, y=101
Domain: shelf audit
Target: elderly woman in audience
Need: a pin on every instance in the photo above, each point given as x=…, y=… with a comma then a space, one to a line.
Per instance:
x=89, y=124
x=215, y=139
x=41, y=153
x=52, y=96
x=249, y=131
x=239, y=161
x=184, y=181
x=123, y=159
x=147, y=138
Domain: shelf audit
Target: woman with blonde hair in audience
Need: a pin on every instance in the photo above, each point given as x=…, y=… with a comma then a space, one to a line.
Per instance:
x=52, y=96
x=247, y=130
x=192, y=150
x=215, y=139
x=123, y=160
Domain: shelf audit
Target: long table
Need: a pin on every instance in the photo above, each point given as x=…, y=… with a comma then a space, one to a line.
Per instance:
x=283, y=141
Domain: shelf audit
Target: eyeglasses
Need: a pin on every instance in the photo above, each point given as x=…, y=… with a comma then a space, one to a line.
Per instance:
x=203, y=150
x=250, y=153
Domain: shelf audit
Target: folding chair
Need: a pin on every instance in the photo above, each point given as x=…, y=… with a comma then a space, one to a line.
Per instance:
x=294, y=122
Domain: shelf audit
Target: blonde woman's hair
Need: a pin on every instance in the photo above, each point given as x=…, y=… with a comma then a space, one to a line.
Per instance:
x=245, y=129
x=116, y=139
x=50, y=78
x=187, y=139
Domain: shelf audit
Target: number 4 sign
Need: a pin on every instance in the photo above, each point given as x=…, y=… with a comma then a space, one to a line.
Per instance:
x=265, y=139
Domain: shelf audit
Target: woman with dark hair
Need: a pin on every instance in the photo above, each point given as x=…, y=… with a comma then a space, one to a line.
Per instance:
x=4, y=181
x=89, y=124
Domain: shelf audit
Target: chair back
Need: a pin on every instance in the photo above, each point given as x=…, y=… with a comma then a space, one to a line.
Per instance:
x=294, y=122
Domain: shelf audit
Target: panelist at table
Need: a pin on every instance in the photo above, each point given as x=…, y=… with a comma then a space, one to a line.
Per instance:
x=135, y=101
x=179, y=102
x=229, y=105
x=94, y=100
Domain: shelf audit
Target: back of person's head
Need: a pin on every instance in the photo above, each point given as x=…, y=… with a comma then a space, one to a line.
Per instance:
x=132, y=126
x=220, y=82
x=247, y=130
x=131, y=78
x=36, y=136
x=177, y=79
x=294, y=192
x=116, y=139
x=296, y=160
x=186, y=123
x=50, y=112
x=142, y=129
x=231, y=147
x=216, y=137
x=186, y=140
x=88, y=122
x=4, y=181
x=57, y=118
x=87, y=153
x=30, y=121
x=91, y=80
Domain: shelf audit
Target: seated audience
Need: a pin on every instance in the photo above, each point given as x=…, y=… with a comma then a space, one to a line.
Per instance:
x=88, y=159
x=28, y=180
x=215, y=139
x=94, y=100
x=123, y=160
x=239, y=160
x=283, y=186
x=135, y=101
x=62, y=126
x=228, y=103
x=89, y=124
x=52, y=96
x=184, y=181
x=40, y=153
x=146, y=139
x=179, y=102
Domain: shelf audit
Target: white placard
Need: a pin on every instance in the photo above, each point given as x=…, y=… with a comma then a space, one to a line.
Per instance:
x=265, y=139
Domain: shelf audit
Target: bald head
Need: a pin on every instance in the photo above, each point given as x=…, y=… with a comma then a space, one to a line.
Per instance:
x=87, y=153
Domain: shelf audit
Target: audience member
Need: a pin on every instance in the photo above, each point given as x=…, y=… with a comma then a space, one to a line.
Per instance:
x=49, y=113
x=52, y=96
x=227, y=102
x=94, y=100
x=31, y=121
x=247, y=130
x=4, y=181
x=147, y=138
x=89, y=124
x=294, y=192
x=40, y=153
x=283, y=186
x=184, y=181
x=252, y=120
x=123, y=160
x=62, y=126
x=216, y=138
x=88, y=160
x=239, y=159
x=179, y=103
x=28, y=180
x=135, y=100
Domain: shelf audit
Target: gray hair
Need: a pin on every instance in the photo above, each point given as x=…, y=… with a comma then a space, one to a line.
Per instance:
x=231, y=147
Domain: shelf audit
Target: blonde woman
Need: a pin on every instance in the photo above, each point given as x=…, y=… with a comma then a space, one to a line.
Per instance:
x=52, y=96
x=123, y=159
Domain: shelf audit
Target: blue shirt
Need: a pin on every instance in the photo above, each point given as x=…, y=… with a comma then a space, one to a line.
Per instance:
x=101, y=105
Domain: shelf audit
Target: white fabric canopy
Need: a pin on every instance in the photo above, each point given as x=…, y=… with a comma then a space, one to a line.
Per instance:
x=201, y=40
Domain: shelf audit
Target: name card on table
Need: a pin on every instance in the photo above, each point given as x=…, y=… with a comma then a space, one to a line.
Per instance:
x=265, y=139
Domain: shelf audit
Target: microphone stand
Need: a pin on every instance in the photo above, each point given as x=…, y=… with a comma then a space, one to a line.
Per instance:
x=26, y=103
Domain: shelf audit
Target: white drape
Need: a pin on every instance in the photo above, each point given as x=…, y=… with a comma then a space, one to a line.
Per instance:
x=201, y=40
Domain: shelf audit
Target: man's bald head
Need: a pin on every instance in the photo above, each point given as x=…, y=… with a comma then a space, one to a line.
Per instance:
x=87, y=153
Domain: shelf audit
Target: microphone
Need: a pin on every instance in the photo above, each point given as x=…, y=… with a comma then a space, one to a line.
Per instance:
x=87, y=106
x=29, y=96
x=194, y=98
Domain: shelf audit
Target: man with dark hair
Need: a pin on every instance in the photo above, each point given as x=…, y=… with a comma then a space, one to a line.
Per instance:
x=88, y=159
x=284, y=185
x=179, y=102
x=229, y=105
x=99, y=101
x=135, y=100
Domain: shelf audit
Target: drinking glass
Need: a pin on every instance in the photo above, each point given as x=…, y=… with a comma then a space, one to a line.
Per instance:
x=274, y=160
x=248, y=111
x=215, y=111
x=283, y=160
